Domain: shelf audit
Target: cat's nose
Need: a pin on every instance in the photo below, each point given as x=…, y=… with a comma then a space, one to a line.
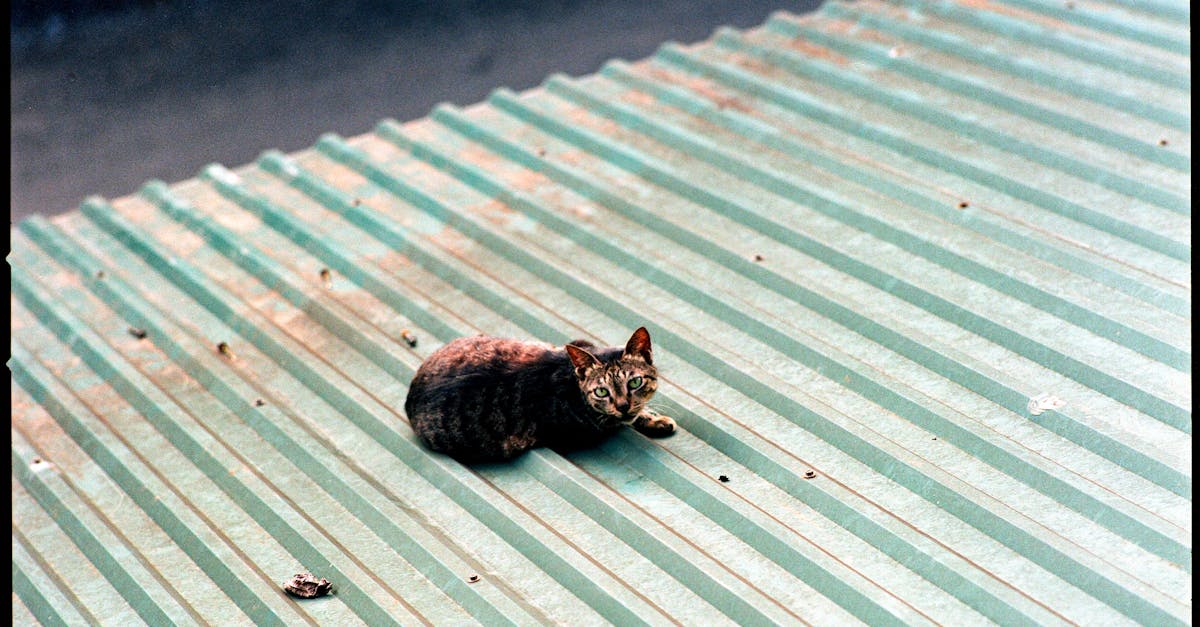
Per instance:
x=623, y=407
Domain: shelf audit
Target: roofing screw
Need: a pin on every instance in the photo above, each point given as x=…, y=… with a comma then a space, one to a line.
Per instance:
x=962, y=204
x=225, y=351
x=327, y=278
x=473, y=579
x=408, y=337
x=1163, y=142
x=541, y=152
x=37, y=460
x=723, y=479
x=99, y=274
x=138, y=333
x=357, y=202
x=808, y=474
x=758, y=257
x=258, y=402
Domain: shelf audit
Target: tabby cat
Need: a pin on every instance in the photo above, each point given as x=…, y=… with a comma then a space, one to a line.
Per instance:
x=483, y=398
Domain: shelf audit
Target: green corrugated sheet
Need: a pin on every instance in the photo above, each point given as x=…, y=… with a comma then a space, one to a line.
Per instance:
x=919, y=279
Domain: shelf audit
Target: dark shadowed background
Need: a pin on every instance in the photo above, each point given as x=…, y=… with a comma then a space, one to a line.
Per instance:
x=106, y=95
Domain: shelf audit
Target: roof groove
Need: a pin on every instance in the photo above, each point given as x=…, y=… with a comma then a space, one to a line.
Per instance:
x=754, y=130
x=1057, y=41
x=564, y=336
x=740, y=600
x=147, y=593
x=126, y=524
x=298, y=543
x=856, y=301
x=1143, y=148
x=948, y=184
x=1014, y=401
x=983, y=58
x=1166, y=10
x=1051, y=558
x=1101, y=22
x=748, y=269
x=910, y=104
x=233, y=191
x=711, y=305
x=239, y=404
x=279, y=351
x=662, y=471
x=795, y=101
x=1015, y=288
x=41, y=589
x=307, y=553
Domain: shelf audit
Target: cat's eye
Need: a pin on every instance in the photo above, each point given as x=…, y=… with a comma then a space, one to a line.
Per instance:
x=635, y=383
x=601, y=392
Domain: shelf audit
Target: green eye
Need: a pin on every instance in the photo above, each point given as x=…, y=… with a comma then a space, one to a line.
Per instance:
x=635, y=383
x=601, y=392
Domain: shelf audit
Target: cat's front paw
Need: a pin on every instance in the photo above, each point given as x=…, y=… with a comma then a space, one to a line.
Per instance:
x=654, y=425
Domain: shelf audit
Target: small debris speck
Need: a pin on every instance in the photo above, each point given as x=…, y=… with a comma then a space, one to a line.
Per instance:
x=473, y=579
x=1070, y=5
x=258, y=402
x=1163, y=142
x=808, y=474
x=758, y=257
x=99, y=274
x=541, y=152
x=408, y=337
x=306, y=586
x=963, y=204
x=138, y=333
x=357, y=202
x=37, y=460
x=723, y=479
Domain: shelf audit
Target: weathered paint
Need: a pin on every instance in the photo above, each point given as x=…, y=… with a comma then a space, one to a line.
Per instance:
x=918, y=275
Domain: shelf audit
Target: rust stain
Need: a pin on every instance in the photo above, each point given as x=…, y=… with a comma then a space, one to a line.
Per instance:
x=237, y=219
x=332, y=172
x=1021, y=14
x=570, y=157
x=527, y=180
x=477, y=155
x=702, y=88
x=638, y=98
x=820, y=52
x=136, y=208
x=872, y=35
x=752, y=63
x=493, y=210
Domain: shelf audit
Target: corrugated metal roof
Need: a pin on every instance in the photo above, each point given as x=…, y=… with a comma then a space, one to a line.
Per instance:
x=918, y=275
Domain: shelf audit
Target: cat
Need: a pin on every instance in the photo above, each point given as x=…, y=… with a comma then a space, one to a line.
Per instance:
x=484, y=399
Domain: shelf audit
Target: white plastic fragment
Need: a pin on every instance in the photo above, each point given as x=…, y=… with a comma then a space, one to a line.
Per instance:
x=289, y=168
x=1044, y=401
x=224, y=175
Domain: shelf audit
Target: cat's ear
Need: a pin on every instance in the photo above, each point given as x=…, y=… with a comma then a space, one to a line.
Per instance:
x=581, y=358
x=639, y=344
